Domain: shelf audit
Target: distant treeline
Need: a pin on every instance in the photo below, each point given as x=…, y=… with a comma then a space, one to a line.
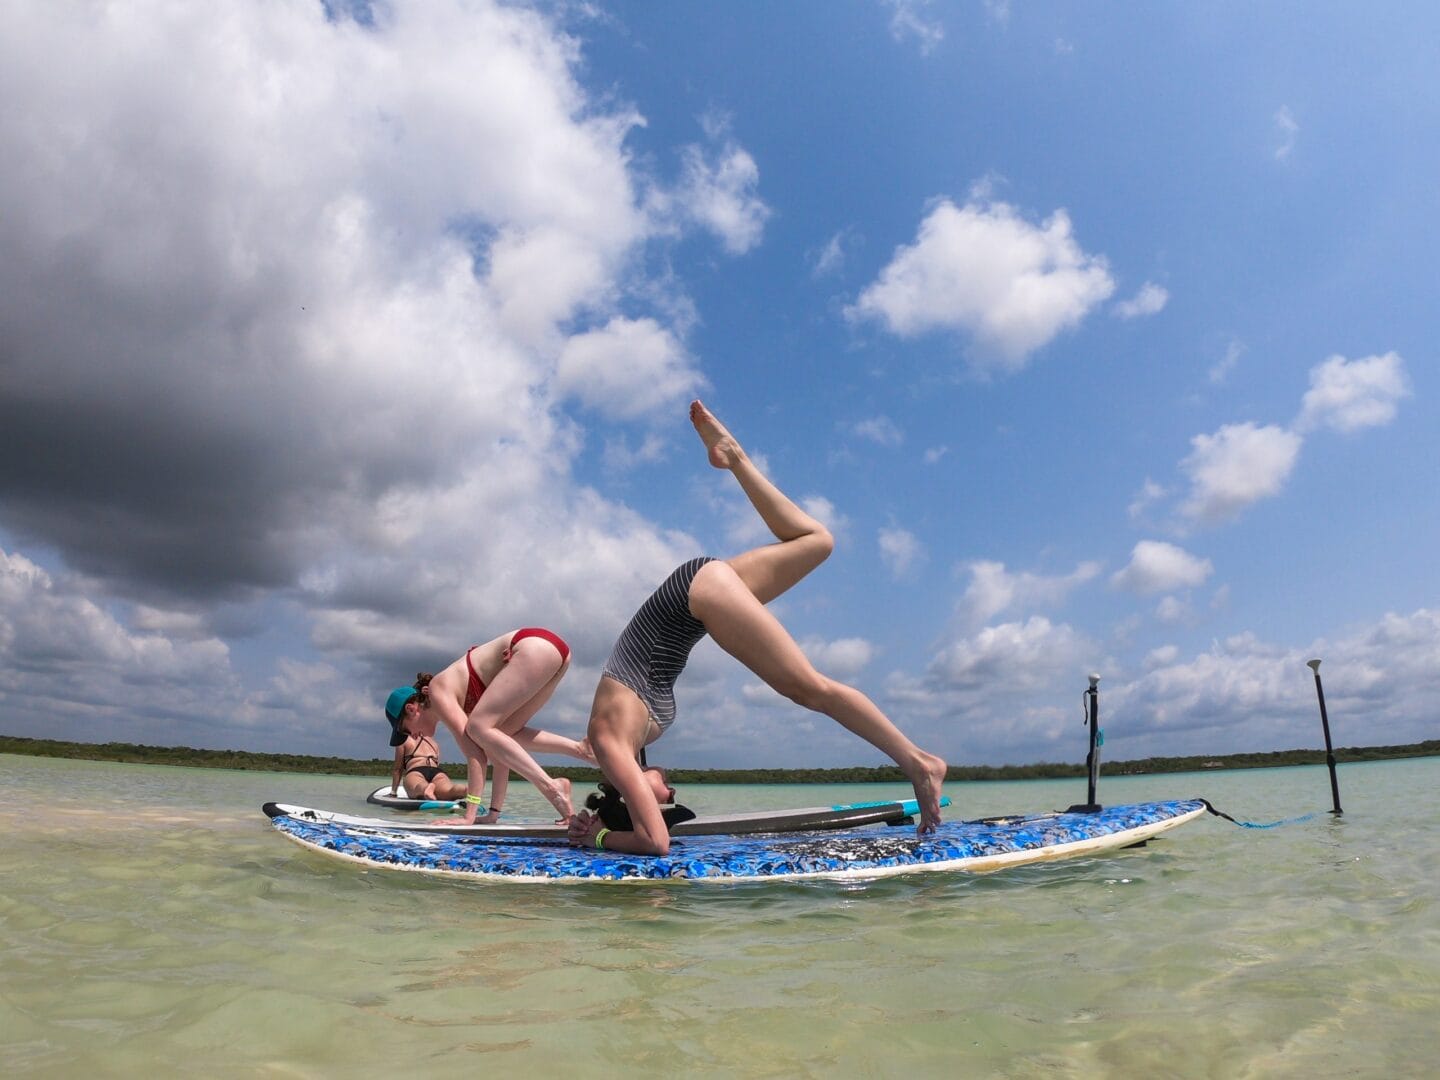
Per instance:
x=380, y=767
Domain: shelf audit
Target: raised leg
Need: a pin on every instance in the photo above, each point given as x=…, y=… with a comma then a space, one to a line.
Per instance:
x=804, y=543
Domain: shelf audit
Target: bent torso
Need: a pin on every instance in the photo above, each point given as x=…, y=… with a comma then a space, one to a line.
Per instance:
x=488, y=659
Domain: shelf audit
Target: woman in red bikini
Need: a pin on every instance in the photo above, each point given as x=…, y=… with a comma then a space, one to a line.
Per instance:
x=486, y=698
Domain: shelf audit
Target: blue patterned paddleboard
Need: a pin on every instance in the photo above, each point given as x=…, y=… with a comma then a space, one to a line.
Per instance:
x=803, y=819
x=974, y=846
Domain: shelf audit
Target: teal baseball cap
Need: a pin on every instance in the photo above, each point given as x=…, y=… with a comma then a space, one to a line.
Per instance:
x=395, y=711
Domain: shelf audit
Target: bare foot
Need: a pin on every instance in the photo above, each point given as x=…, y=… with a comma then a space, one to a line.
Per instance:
x=559, y=797
x=563, y=782
x=927, y=783
x=724, y=450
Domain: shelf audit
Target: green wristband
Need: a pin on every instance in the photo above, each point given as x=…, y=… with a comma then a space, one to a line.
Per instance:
x=474, y=800
x=600, y=839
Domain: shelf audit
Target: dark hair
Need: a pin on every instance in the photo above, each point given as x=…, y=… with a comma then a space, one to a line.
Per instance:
x=422, y=688
x=610, y=808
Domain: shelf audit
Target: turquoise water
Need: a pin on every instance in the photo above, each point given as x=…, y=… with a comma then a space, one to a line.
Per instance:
x=152, y=920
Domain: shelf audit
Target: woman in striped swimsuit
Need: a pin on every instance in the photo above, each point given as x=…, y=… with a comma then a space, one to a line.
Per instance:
x=487, y=698
x=635, y=701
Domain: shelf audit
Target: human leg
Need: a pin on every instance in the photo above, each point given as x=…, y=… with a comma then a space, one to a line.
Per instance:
x=804, y=542
x=743, y=627
x=444, y=789
x=532, y=672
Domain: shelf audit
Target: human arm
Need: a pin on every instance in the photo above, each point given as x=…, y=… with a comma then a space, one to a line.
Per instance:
x=395, y=774
x=649, y=835
x=476, y=761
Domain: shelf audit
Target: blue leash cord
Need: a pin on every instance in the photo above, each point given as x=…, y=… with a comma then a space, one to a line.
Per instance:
x=1252, y=824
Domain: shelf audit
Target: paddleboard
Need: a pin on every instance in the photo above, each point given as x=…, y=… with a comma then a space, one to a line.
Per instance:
x=381, y=797
x=804, y=819
x=972, y=846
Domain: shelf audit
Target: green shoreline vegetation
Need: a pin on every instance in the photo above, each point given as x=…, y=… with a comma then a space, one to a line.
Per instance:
x=380, y=767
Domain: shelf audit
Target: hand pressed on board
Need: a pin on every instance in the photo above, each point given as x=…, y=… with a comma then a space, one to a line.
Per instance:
x=582, y=829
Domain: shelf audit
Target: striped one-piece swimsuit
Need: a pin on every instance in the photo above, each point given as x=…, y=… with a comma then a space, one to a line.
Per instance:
x=653, y=649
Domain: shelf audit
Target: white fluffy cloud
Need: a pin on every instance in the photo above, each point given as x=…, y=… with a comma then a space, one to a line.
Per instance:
x=843, y=658
x=294, y=308
x=1157, y=567
x=1235, y=467
x=718, y=192
x=994, y=590
x=1348, y=395
x=983, y=270
x=627, y=368
x=1249, y=695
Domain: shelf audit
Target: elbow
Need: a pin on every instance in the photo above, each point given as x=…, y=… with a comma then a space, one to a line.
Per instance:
x=652, y=845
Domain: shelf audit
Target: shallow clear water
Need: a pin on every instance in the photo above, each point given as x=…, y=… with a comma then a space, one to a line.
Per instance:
x=152, y=920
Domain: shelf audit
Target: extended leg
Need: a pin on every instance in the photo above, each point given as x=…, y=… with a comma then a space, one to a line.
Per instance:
x=743, y=627
x=804, y=543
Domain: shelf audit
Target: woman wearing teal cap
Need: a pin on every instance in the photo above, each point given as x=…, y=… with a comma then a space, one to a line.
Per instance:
x=487, y=698
x=417, y=767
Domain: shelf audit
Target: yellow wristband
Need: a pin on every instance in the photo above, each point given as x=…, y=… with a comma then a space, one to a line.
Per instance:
x=474, y=800
x=600, y=839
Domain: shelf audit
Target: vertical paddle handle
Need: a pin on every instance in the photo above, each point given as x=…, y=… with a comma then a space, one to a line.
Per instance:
x=1314, y=665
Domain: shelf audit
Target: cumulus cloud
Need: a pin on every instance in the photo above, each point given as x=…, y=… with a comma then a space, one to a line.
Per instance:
x=1348, y=395
x=1243, y=463
x=900, y=551
x=1017, y=654
x=60, y=647
x=982, y=270
x=843, y=658
x=626, y=369
x=1150, y=300
x=1157, y=567
x=1246, y=694
x=718, y=191
x=296, y=310
x=1235, y=467
x=994, y=590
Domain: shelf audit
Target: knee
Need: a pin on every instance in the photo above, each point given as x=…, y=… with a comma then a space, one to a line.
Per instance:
x=483, y=735
x=824, y=543
x=811, y=690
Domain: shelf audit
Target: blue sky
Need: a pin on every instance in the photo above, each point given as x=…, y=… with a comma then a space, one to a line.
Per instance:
x=334, y=338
